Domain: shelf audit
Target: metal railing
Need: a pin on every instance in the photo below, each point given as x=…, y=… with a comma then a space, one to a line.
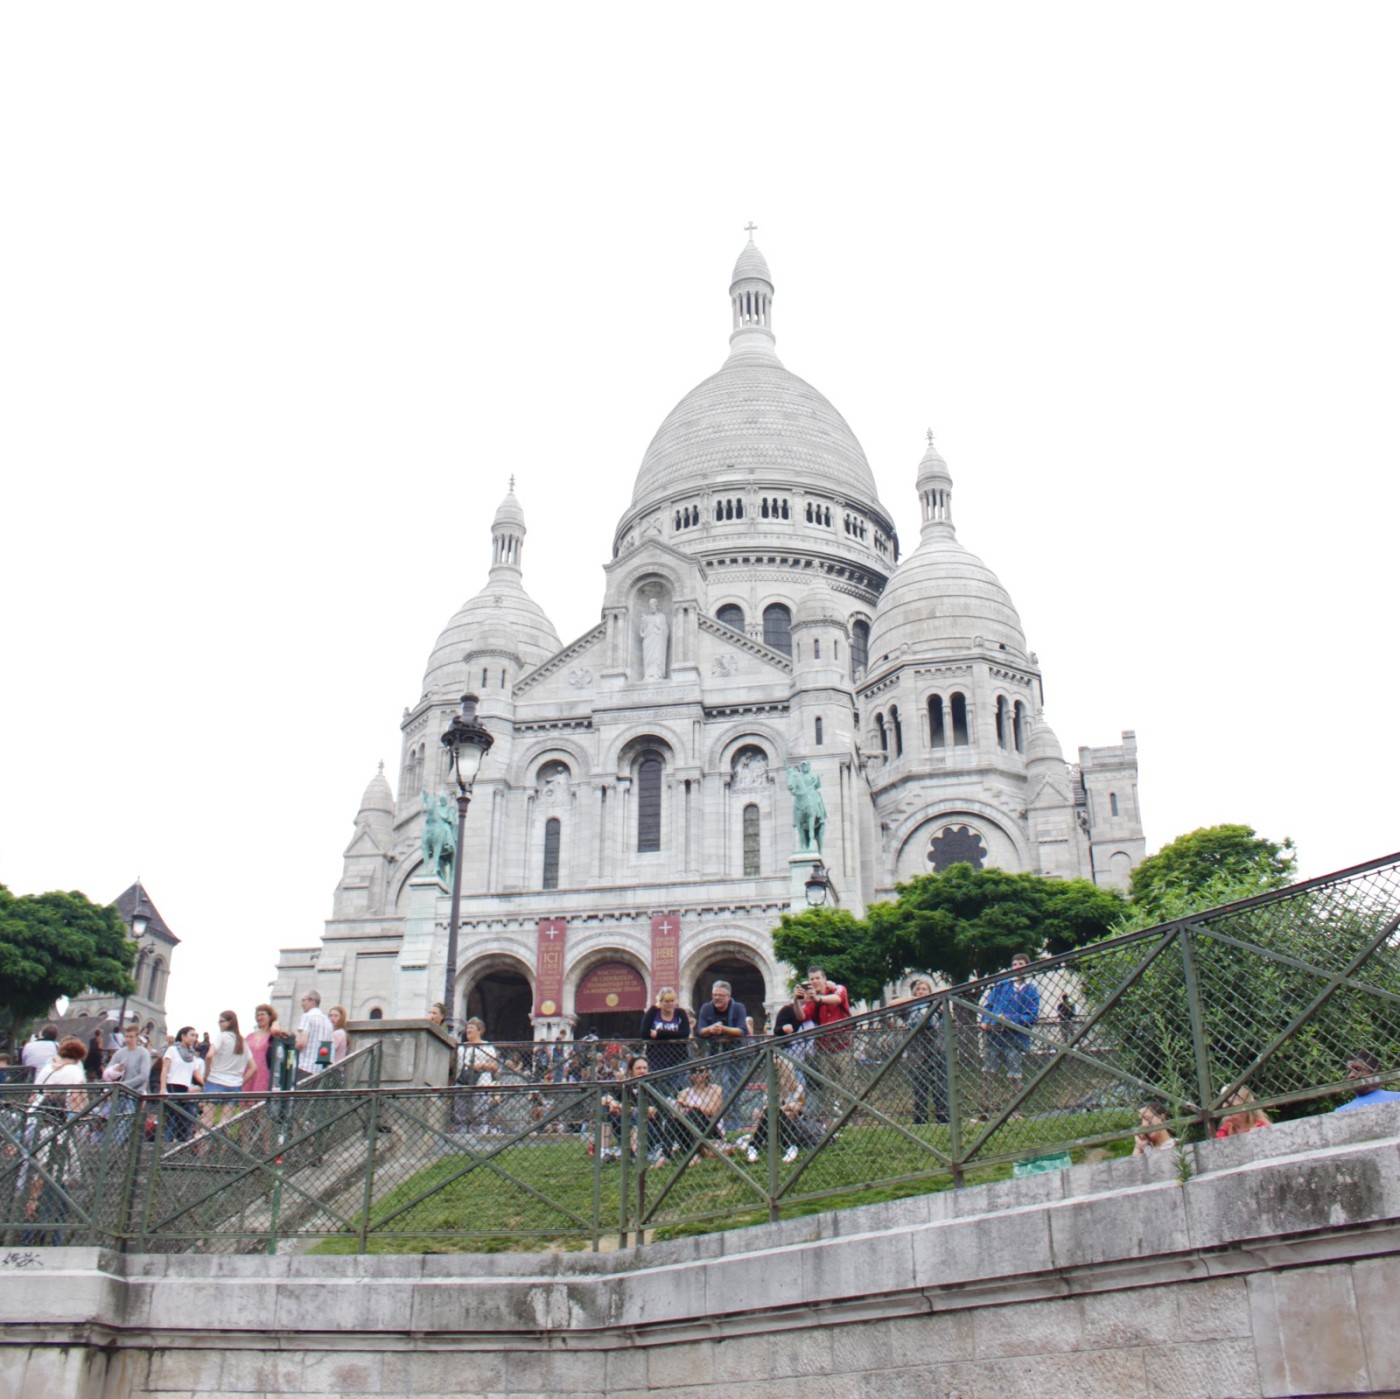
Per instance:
x=1255, y=1007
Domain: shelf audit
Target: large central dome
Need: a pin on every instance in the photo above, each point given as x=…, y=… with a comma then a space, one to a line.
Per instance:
x=750, y=416
x=753, y=419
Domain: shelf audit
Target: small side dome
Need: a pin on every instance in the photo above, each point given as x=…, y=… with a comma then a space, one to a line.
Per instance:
x=1043, y=745
x=379, y=796
x=817, y=605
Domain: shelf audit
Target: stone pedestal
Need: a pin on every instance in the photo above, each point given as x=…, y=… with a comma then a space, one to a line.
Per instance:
x=801, y=866
x=413, y=1053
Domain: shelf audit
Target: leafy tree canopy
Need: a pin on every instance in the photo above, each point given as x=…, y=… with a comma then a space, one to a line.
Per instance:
x=842, y=945
x=54, y=945
x=966, y=923
x=1191, y=872
x=960, y=924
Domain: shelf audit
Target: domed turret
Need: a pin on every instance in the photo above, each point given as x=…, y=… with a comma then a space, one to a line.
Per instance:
x=502, y=618
x=756, y=429
x=942, y=596
x=378, y=799
x=1043, y=747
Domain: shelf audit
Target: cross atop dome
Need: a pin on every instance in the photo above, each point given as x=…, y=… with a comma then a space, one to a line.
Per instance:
x=750, y=229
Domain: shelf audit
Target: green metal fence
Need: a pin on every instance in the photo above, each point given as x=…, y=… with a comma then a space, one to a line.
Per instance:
x=1255, y=1006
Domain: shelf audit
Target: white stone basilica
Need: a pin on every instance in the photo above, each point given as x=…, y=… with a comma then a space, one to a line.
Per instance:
x=632, y=824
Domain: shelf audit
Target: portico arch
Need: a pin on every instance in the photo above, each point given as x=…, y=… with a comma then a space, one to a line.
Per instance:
x=500, y=989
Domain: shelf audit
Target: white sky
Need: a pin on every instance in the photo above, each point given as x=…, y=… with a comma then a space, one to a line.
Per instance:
x=291, y=290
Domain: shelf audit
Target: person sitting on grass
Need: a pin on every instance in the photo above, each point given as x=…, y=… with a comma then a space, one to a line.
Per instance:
x=699, y=1103
x=659, y=1139
x=1155, y=1134
x=1362, y=1068
x=794, y=1131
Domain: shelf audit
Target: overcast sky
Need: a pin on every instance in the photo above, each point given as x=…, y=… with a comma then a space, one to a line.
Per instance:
x=291, y=290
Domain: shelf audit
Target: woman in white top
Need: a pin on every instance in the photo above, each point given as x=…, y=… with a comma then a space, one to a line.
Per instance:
x=181, y=1072
x=52, y=1147
x=476, y=1069
x=228, y=1067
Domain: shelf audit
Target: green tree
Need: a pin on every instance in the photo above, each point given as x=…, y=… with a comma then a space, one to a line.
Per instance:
x=1191, y=871
x=54, y=945
x=844, y=947
x=966, y=923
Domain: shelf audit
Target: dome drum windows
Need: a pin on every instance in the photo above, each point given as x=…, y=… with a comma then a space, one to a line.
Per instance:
x=818, y=514
x=948, y=721
x=732, y=509
x=687, y=517
x=772, y=508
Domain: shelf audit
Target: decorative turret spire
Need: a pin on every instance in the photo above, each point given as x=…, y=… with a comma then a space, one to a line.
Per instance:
x=508, y=533
x=935, y=486
x=751, y=296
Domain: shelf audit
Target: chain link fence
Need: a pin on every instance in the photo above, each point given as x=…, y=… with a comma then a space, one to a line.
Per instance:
x=1256, y=1007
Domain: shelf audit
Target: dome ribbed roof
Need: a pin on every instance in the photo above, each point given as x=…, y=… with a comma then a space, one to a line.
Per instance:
x=941, y=597
x=504, y=615
x=378, y=795
x=751, y=263
x=509, y=512
x=753, y=416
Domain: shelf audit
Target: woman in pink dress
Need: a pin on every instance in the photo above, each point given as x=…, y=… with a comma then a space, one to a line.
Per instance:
x=261, y=1081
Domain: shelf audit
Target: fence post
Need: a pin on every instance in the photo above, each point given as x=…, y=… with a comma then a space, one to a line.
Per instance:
x=135, y=1141
x=1200, y=1042
x=597, y=1167
x=368, y=1197
x=162, y=1104
x=950, y=1058
x=775, y=1118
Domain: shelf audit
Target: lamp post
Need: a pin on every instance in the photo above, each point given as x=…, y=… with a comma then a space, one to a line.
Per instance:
x=139, y=923
x=818, y=885
x=469, y=743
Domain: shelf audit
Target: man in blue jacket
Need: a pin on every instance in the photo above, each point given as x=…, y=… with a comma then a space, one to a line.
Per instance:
x=1009, y=1005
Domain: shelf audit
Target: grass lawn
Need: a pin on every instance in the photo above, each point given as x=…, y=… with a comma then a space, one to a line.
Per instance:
x=538, y=1193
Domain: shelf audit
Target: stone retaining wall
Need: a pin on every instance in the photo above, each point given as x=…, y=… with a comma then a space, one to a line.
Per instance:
x=1272, y=1271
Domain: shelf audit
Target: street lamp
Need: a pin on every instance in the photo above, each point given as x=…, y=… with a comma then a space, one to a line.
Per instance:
x=818, y=885
x=469, y=743
x=139, y=923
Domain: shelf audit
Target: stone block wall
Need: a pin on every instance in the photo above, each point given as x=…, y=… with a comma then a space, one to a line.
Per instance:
x=1271, y=1271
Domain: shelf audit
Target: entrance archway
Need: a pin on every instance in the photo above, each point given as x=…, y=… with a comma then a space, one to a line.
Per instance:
x=745, y=981
x=610, y=1000
x=503, y=999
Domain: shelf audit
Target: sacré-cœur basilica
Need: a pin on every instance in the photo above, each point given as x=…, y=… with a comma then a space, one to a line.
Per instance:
x=632, y=824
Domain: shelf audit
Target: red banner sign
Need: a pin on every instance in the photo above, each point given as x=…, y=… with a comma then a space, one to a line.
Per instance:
x=549, y=967
x=665, y=953
x=613, y=986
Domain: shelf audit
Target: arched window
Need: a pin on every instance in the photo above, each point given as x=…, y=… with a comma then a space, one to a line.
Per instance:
x=860, y=647
x=732, y=615
x=1001, y=721
x=649, y=802
x=764, y=510
x=816, y=649
x=719, y=510
x=751, y=834
x=898, y=731
x=1113, y=803
x=1018, y=725
x=884, y=734
x=937, y=738
x=777, y=628
x=819, y=731
x=376, y=1013
x=958, y=704
x=551, y=854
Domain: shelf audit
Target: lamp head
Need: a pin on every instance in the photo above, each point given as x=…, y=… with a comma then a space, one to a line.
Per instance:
x=468, y=742
x=817, y=885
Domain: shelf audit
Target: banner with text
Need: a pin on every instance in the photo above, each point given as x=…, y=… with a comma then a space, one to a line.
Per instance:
x=665, y=953
x=549, y=966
